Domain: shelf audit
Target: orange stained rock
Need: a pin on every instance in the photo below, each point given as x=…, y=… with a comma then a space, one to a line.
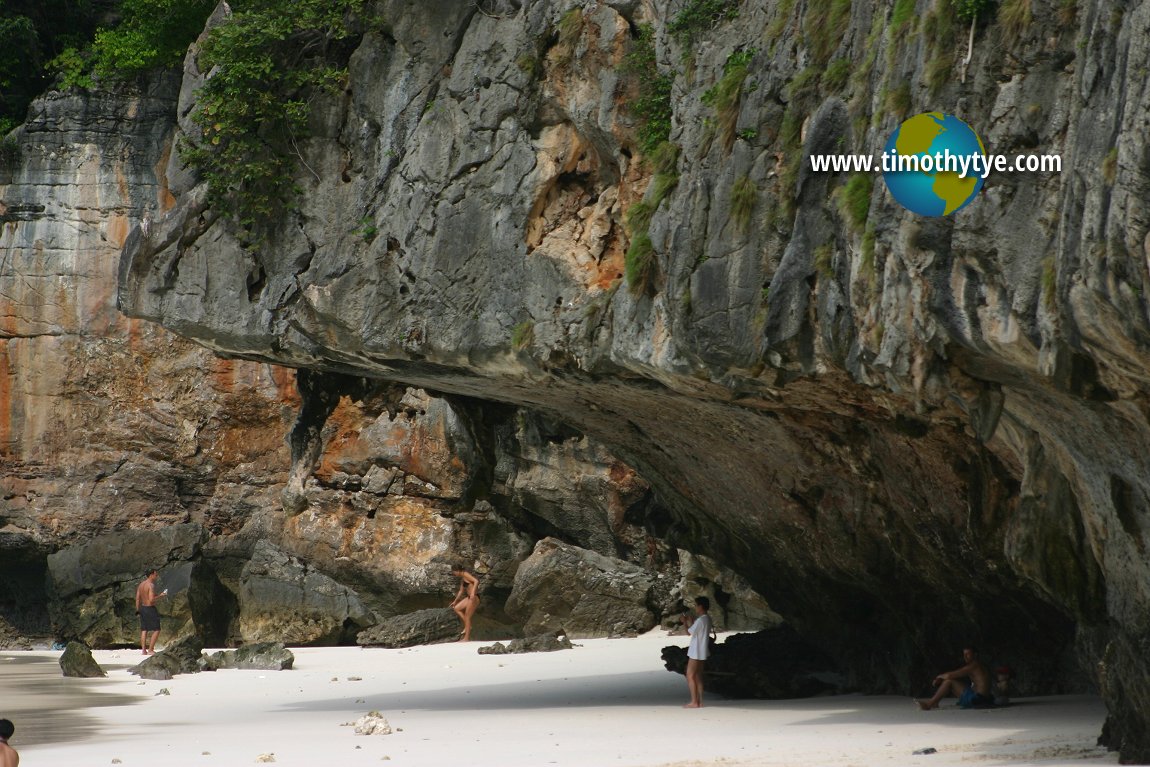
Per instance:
x=5, y=401
x=117, y=230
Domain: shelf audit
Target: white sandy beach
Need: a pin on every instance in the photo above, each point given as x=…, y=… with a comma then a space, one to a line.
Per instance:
x=607, y=702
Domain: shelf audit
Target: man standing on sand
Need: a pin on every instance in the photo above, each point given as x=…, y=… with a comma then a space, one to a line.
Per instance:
x=8, y=755
x=146, y=597
x=975, y=694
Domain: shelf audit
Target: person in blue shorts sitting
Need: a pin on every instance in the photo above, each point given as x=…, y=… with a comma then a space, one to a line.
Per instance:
x=970, y=684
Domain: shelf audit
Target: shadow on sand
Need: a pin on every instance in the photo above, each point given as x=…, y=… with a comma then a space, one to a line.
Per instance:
x=48, y=707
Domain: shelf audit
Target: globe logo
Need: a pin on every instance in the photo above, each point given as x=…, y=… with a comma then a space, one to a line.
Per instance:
x=924, y=161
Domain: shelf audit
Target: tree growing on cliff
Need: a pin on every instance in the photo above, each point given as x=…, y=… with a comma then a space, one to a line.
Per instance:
x=266, y=64
x=970, y=10
x=149, y=34
x=32, y=32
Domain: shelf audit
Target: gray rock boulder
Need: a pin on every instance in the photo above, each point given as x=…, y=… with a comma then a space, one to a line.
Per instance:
x=283, y=599
x=262, y=656
x=735, y=606
x=184, y=656
x=421, y=627
x=77, y=661
x=583, y=594
x=151, y=668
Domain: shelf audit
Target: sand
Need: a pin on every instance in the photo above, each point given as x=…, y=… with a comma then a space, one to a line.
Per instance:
x=605, y=703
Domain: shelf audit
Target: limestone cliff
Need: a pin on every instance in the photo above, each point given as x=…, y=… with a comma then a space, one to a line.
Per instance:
x=126, y=447
x=107, y=424
x=907, y=433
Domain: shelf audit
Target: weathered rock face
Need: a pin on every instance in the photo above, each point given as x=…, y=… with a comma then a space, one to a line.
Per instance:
x=420, y=627
x=582, y=594
x=263, y=656
x=184, y=656
x=735, y=606
x=932, y=432
x=115, y=427
x=282, y=599
x=108, y=423
x=537, y=643
x=92, y=586
x=77, y=661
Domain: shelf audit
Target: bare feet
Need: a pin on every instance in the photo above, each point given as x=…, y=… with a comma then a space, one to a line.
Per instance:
x=693, y=705
x=926, y=705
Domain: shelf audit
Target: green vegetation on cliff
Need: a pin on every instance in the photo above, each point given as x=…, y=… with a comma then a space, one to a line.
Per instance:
x=150, y=34
x=33, y=32
x=698, y=16
x=640, y=268
x=653, y=105
x=270, y=59
x=727, y=95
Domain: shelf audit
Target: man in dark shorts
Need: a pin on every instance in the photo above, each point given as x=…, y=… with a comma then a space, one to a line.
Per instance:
x=975, y=694
x=146, y=597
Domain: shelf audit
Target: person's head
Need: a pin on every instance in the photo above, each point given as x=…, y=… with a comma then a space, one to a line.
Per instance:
x=702, y=604
x=153, y=574
x=457, y=569
x=969, y=653
x=6, y=729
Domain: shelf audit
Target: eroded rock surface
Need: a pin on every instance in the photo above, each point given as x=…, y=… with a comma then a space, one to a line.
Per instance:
x=93, y=585
x=282, y=600
x=580, y=593
x=921, y=429
x=77, y=661
x=420, y=627
x=930, y=431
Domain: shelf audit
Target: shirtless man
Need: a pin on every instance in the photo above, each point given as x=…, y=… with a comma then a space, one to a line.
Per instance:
x=8, y=755
x=146, y=597
x=466, y=600
x=974, y=693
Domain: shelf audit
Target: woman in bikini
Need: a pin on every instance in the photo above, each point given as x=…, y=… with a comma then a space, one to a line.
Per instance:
x=466, y=600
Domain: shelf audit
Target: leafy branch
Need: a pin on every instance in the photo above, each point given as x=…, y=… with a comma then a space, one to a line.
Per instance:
x=265, y=65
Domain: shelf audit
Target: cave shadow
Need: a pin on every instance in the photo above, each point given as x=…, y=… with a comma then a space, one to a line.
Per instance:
x=639, y=688
x=656, y=688
x=888, y=709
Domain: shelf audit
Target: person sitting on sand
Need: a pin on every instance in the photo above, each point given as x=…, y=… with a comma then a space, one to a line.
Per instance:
x=8, y=755
x=466, y=600
x=974, y=694
x=700, y=630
